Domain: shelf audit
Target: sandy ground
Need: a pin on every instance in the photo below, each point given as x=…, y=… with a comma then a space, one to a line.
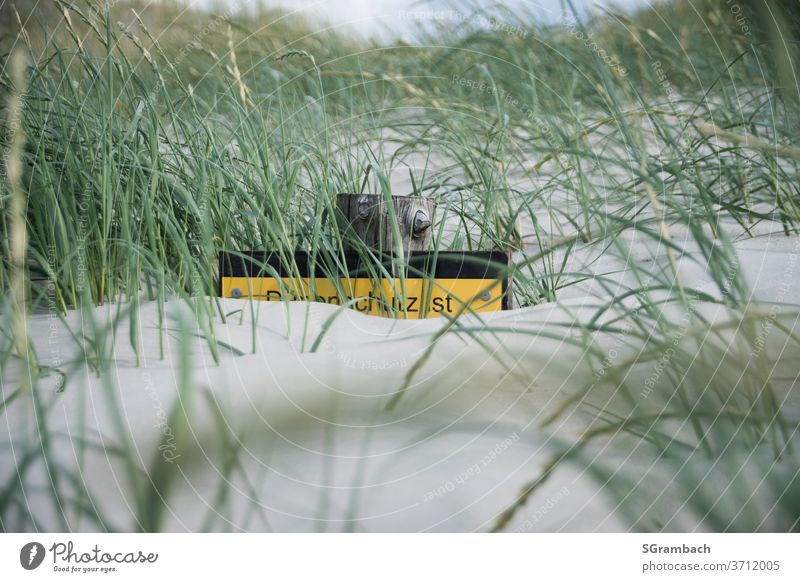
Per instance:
x=317, y=449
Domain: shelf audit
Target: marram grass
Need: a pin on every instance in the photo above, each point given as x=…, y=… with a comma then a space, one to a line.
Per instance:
x=135, y=154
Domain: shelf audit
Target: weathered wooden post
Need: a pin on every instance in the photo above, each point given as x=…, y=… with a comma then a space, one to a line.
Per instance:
x=368, y=215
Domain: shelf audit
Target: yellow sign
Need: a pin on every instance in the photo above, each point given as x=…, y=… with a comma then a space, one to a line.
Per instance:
x=423, y=297
x=435, y=284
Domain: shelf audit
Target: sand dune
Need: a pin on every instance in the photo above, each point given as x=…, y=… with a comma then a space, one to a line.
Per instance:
x=291, y=432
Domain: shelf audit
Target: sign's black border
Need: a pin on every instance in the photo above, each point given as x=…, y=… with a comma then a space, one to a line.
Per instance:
x=444, y=264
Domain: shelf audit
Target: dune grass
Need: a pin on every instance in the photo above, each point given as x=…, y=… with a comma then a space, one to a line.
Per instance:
x=151, y=148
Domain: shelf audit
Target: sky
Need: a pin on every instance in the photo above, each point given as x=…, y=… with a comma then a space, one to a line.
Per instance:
x=400, y=18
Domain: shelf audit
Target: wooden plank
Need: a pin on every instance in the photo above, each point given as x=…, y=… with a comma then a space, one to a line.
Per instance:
x=368, y=217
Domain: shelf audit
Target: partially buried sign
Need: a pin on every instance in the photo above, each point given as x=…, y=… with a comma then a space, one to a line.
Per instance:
x=425, y=285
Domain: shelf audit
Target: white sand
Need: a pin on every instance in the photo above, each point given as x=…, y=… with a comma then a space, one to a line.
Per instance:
x=319, y=450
